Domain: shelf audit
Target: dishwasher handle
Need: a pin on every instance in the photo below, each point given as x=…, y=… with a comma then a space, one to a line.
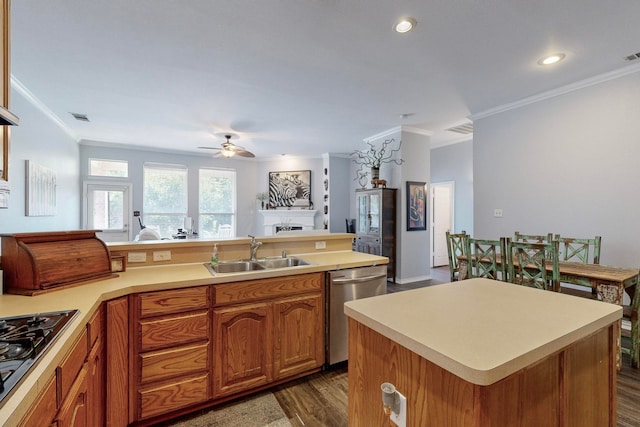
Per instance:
x=359, y=279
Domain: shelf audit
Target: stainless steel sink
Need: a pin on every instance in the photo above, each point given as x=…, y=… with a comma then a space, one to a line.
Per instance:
x=236, y=266
x=281, y=262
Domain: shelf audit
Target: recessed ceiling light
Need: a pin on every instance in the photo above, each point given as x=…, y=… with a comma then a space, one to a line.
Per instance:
x=405, y=25
x=551, y=59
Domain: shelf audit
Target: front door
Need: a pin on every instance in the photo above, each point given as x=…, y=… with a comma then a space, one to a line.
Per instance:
x=106, y=208
x=442, y=209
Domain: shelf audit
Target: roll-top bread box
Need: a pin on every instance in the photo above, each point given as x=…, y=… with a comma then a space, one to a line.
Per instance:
x=34, y=263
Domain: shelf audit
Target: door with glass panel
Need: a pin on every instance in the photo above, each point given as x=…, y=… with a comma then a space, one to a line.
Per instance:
x=107, y=208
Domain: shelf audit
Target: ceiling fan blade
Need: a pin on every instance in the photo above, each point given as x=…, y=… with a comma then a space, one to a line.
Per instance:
x=211, y=148
x=244, y=153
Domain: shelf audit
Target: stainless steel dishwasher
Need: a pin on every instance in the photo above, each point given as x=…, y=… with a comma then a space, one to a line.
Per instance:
x=348, y=285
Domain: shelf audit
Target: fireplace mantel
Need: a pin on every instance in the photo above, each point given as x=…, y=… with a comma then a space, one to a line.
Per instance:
x=287, y=217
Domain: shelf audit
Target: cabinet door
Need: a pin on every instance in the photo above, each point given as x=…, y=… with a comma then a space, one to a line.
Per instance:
x=96, y=385
x=117, y=364
x=73, y=410
x=299, y=337
x=243, y=347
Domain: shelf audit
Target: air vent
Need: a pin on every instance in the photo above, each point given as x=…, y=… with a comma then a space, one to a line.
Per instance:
x=632, y=57
x=464, y=129
x=81, y=117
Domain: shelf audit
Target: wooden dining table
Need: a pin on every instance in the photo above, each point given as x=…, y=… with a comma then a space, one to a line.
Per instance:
x=608, y=282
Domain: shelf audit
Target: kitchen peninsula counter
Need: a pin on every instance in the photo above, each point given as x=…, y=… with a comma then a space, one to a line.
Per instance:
x=484, y=347
x=88, y=297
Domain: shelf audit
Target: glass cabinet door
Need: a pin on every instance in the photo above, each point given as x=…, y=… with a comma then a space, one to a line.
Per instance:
x=374, y=213
x=363, y=209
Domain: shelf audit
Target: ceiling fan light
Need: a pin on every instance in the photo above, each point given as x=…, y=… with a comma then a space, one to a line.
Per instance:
x=227, y=153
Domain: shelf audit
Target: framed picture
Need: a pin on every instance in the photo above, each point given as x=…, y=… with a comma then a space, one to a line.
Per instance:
x=291, y=189
x=41, y=190
x=416, y=206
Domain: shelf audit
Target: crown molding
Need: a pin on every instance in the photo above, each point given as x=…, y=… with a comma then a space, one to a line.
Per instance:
x=35, y=101
x=581, y=84
x=398, y=129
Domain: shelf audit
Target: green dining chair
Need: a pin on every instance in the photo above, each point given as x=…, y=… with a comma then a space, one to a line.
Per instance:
x=578, y=250
x=532, y=238
x=456, y=246
x=533, y=264
x=483, y=258
x=631, y=337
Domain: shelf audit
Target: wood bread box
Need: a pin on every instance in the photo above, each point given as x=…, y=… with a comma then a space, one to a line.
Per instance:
x=34, y=263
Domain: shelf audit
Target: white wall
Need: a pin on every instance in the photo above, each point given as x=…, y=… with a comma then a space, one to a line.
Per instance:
x=455, y=163
x=566, y=165
x=39, y=140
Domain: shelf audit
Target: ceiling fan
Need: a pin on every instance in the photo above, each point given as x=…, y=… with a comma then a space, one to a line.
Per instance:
x=229, y=149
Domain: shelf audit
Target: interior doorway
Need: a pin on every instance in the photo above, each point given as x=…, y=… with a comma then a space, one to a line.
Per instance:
x=442, y=209
x=106, y=207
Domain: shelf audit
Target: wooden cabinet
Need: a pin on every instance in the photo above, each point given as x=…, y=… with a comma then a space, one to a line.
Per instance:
x=300, y=331
x=243, y=346
x=267, y=330
x=117, y=362
x=172, y=351
x=74, y=396
x=376, y=224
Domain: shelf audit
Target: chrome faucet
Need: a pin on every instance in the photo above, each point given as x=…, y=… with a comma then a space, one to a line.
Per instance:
x=254, y=247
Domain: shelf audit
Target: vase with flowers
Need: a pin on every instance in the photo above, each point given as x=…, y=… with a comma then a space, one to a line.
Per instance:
x=374, y=157
x=262, y=197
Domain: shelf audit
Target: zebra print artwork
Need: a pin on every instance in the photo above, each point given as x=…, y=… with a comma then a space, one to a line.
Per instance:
x=289, y=189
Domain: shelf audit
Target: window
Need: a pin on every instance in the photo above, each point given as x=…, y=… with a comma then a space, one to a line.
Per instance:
x=217, y=201
x=112, y=168
x=164, y=197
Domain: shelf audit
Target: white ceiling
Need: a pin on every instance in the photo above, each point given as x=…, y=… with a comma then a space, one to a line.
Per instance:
x=301, y=77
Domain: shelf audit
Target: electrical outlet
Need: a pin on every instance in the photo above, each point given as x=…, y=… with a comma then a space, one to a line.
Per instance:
x=321, y=245
x=136, y=213
x=162, y=255
x=497, y=213
x=400, y=418
x=137, y=257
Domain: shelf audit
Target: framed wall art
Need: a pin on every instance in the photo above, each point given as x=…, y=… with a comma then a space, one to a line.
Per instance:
x=41, y=190
x=416, y=206
x=290, y=189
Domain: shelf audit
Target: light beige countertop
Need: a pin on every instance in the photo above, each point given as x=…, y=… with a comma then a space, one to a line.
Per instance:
x=87, y=298
x=482, y=330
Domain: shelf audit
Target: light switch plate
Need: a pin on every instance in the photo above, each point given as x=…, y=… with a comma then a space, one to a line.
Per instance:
x=137, y=257
x=162, y=255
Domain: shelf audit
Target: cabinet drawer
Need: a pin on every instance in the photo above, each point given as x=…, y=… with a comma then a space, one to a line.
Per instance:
x=174, y=301
x=164, y=364
x=70, y=366
x=170, y=397
x=45, y=408
x=158, y=333
x=94, y=327
x=253, y=290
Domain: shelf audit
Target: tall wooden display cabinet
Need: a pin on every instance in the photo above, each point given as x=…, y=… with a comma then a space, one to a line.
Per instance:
x=376, y=224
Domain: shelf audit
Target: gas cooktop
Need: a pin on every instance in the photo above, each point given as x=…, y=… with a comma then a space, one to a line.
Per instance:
x=23, y=340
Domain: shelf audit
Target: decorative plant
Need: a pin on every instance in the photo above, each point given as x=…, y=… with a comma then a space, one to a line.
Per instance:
x=374, y=157
x=262, y=197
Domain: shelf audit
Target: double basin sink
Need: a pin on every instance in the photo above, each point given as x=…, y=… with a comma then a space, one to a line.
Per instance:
x=241, y=265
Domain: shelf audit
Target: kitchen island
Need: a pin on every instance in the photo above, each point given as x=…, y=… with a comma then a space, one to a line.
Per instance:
x=484, y=353
x=130, y=313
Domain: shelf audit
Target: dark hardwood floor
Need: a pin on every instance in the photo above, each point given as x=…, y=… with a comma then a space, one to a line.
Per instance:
x=321, y=399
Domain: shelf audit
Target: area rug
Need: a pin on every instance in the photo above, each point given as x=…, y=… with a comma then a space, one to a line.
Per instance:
x=261, y=410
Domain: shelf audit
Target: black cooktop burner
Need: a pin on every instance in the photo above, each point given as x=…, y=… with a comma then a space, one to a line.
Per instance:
x=23, y=340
